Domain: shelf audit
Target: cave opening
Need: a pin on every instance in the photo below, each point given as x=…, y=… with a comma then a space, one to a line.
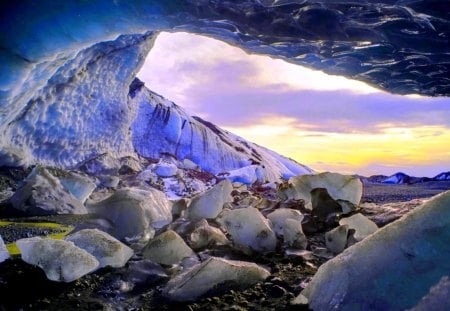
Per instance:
x=330, y=123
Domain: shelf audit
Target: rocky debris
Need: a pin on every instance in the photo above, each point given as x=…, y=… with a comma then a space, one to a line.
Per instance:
x=249, y=230
x=362, y=226
x=279, y=216
x=168, y=248
x=107, y=250
x=213, y=275
x=165, y=169
x=336, y=239
x=79, y=185
x=4, y=254
x=293, y=234
x=61, y=261
x=339, y=187
x=109, y=181
x=437, y=299
x=143, y=273
x=210, y=203
x=129, y=165
x=413, y=248
x=179, y=206
x=205, y=235
x=43, y=194
x=247, y=175
x=383, y=214
x=134, y=212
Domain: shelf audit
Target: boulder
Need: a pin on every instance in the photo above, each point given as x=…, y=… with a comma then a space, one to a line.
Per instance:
x=43, y=194
x=210, y=203
x=168, y=248
x=249, y=230
x=134, y=212
x=108, y=250
x=362, y=225
x=80, y=186
x=339, y=187
x=391, y=269
x=4, y=254
x=165, y=169
x=61, y=260
x=212, y=275
x=293, y=234
x=279, y=216
x=336, y=239
x=205, y=235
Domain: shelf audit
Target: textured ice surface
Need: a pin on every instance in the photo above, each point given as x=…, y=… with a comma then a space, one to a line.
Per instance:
x=210, y=203
x=362, y=225
x=107, y=250
x=391, y=269
x=61, y=260
x=279, y=216
x=80, y=186
x=133, y=211
x=44, y=194
x=205, y=235
x=168, y=248
x=339, y=187
x=438, y=299
x=249, y=230
x=213, y=274
x=4, y=254
x=336, y=239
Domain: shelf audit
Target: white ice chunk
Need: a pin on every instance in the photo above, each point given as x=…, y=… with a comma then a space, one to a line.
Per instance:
x=336, y=239
x=61, y=260
x=132, y=211
x=362, y=225
x=108, y=250
x=339, y=187
x=80, y=186
x=293, y=234
x=279, y=217
x=210, y=203
x=205, y=235
x=168, y=248
x=165, y=169
x=210, y=275
x=249, y=230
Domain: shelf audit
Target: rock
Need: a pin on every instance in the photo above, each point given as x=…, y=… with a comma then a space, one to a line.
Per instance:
x=339, y=187
x=210, y=203
x=43, y=194
x=324, y=207
x=336, y=239
x=144, y=273
x=211, y=275
x=165, y=169
x=61, y=260
x=129, y=165
x=108, y=181
x=107, y=250
x=293, y=234
x=205, y=235
x=4, y=254
x=279, y=217
x=168, y=248
x=362, y=225
x=80, y=186
x=391, y=269
x=134, y=212
x=249, y=230
x=438, y=298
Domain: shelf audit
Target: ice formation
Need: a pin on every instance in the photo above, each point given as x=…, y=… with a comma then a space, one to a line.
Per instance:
x=382, y=271
x=107, y=250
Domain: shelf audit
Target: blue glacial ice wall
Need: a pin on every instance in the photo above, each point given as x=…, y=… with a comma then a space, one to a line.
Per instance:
x=65, y=66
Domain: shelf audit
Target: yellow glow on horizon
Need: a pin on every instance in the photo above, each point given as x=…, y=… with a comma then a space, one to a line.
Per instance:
x=350, y=152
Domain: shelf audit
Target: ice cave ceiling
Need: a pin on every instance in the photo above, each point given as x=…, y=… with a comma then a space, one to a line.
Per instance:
x=66, y=66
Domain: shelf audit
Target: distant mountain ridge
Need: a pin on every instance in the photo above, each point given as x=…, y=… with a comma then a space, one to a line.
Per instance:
x=401, y=178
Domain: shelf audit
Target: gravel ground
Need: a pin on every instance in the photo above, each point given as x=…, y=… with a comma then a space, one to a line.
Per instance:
x=381, y=193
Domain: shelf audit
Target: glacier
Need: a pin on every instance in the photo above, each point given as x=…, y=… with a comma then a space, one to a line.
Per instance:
x=67, y=70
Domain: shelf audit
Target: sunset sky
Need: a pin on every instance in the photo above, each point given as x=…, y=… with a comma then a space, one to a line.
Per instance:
x=329, y=123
